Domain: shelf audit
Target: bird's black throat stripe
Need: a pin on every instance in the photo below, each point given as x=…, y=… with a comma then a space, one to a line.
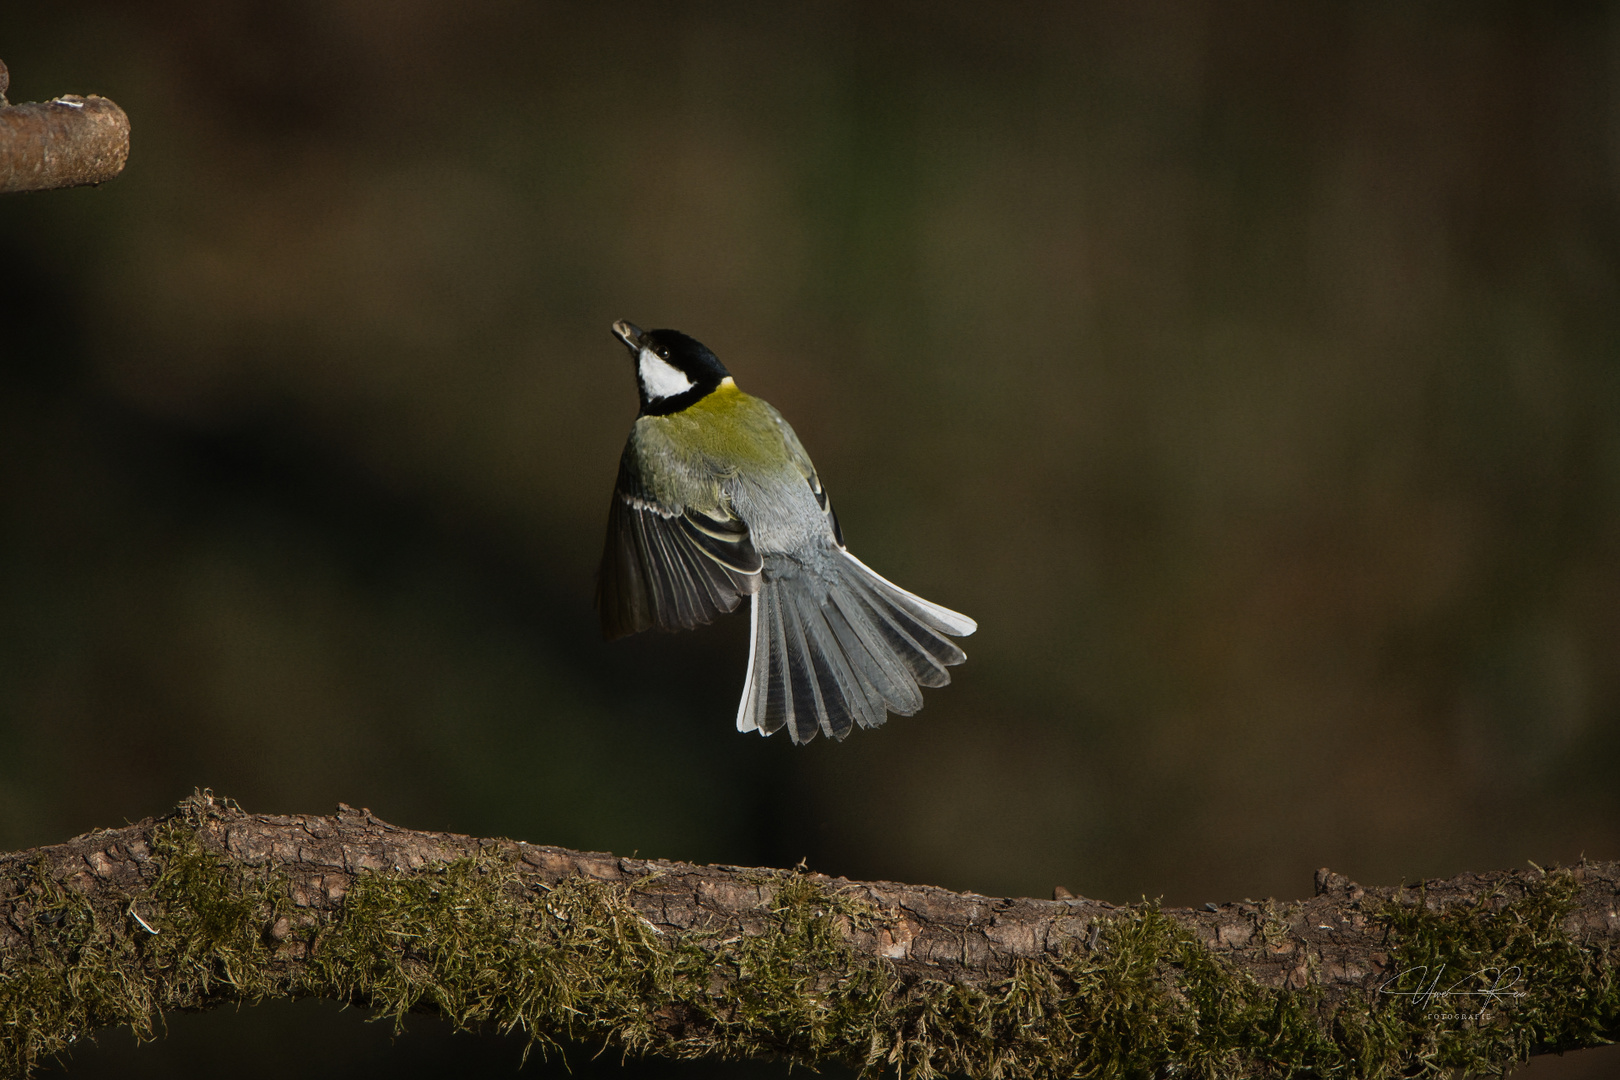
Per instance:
x=681, y=401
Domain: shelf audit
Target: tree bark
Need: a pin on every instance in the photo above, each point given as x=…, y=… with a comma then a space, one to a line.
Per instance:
x=65, y=142
x=210, y=905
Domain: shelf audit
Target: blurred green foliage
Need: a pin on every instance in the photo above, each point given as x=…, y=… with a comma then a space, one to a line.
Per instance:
x=1251, y=374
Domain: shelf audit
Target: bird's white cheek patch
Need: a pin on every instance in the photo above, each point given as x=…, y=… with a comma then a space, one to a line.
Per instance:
x=660, y=378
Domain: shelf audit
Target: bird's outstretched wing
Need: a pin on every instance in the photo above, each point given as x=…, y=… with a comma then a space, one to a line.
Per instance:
x=671, y=568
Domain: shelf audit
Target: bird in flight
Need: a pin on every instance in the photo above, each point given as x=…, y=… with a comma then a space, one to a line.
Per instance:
x=716, y=501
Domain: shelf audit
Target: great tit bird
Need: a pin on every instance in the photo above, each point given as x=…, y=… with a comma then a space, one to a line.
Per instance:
x=717, y=500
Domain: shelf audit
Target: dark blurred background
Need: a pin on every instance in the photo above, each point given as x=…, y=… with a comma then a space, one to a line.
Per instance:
x=1250, y=372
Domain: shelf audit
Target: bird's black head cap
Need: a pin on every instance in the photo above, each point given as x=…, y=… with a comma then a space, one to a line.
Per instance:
x=673, y=371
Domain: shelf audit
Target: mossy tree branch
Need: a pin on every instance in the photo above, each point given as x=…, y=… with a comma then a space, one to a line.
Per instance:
x=210, y=905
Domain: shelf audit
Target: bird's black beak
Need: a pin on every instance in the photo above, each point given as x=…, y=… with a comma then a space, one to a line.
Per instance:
x=629, y=333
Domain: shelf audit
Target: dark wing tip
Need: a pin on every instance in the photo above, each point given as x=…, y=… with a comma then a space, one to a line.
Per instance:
x=671, y=571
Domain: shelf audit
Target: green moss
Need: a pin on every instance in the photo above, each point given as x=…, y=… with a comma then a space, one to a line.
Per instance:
x=87, y=968
x=1150, y=999
x=578, y=962
x=1154, y=1001
x=74, y=982
x=470, y=940
x=479, y=944
x=212, y=916
x=1554, y=994
x=798, y=988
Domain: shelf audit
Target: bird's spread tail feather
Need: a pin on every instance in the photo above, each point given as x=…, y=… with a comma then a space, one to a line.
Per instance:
x=833, y=651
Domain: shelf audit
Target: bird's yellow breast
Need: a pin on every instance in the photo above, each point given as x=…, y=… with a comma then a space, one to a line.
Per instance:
x=731, y=430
